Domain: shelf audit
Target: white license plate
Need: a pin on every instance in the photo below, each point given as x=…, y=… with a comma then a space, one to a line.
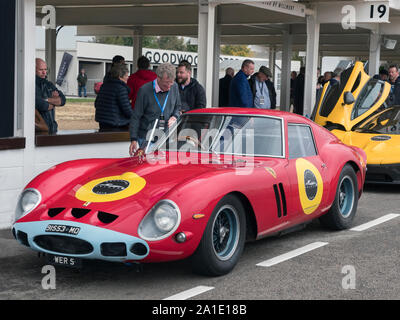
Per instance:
x=59, y=228
x=64, y=261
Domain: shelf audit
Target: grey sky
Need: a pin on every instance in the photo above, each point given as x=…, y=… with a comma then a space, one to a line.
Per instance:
x=66, y=38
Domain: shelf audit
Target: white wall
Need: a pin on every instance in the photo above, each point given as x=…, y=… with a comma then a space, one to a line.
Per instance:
x=11, y=183
x=12, y=169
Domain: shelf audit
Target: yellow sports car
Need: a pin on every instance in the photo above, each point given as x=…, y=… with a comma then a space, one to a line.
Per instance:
x=357, y=110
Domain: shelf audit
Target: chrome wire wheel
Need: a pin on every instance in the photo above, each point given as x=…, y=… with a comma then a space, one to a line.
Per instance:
x=346, y=196
x=225, y=232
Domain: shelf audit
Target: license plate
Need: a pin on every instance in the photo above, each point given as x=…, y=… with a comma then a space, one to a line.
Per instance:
x=64, y=261
x=58, y=228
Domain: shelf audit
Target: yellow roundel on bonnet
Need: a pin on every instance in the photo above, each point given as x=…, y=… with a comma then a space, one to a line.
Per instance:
x=310, y=185
x=111, y=188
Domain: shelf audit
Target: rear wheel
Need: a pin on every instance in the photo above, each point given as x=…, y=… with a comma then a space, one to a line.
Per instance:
x=223, y=239
x=340, y=216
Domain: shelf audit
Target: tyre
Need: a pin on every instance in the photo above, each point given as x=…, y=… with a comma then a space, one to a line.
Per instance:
x=223, y=239
x=340, y=216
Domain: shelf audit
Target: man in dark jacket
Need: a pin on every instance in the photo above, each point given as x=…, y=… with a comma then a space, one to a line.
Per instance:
x=263, y=89
x=47, y=97
x=158, y=99
x=224, y=84
x=240, y=94
x=82, y=80
x=394, y=80
x=299, y=92
x=113, y=109
x=193, y=95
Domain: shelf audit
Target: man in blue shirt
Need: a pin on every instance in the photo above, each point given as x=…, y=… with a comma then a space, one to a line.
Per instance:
x=263, y=90
x=240, y=94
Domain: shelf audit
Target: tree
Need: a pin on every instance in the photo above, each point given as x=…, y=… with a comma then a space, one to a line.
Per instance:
x=237, y=50
x=153, y=42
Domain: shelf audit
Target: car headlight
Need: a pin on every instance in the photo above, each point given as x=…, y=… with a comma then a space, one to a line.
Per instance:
x=28, y=200
x=160, y=222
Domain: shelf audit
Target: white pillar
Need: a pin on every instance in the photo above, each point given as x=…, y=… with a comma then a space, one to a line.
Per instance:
x=206, y=39
x=137, y=47
x=25, y=88
x=271, y=61
x=51, y=53
x=285, y=71
x=310, y=85
x=217, y=53
x=374, y=53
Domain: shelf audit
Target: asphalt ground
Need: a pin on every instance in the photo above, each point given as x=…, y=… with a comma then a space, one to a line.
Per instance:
x=347, y=265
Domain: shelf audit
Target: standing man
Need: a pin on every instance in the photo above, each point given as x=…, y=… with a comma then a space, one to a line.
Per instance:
x=224, y=84
x=394, y=80
x=240, y=94
x=158, y=99
x=263, y=90
x=140, y=77
x=193, y=95
x=299, y=92
x=47, y=97
x=113, y=108
x=82, y=80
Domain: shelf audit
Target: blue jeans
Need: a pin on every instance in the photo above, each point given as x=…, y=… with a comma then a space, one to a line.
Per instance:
x=80, y=91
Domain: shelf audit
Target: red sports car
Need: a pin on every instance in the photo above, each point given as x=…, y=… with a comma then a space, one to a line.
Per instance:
x=219, y=177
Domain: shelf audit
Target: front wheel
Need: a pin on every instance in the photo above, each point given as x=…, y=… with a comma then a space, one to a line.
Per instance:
x=344, y=207
x=223, y=240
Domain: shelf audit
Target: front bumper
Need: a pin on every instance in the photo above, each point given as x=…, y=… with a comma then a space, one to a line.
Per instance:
x=383, y=173
x=89, y=243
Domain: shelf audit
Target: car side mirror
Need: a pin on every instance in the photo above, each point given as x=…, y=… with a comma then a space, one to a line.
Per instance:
x=348, y=98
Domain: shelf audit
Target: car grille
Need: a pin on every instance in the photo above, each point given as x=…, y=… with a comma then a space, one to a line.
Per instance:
x=63, y=244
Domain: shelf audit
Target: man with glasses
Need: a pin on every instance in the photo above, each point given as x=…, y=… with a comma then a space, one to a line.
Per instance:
x=157, y=104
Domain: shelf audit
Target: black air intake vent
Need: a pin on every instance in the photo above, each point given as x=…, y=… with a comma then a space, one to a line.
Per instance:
x=63, y=244
x=55, y=211
x=23, y=238
x=79, y=213
x=106, y=217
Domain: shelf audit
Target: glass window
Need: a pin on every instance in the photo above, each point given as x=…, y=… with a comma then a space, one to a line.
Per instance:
x=330, y=99
x=368, y=97
x=301, y=142
x=385, y=122
x=226, y=134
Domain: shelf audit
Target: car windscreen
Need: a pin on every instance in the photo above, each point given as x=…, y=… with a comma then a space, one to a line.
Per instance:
x=226, y=134
x=369, y=96
x=385, y=122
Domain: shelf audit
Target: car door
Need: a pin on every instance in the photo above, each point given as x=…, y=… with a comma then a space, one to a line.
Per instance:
x=369, y=95
x=307, y=173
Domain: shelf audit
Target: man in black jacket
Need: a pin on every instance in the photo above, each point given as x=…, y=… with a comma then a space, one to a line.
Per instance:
x=299, y=92
x=224, y=85
x=394, y=80
x=113, y=108
x=193, y=95
x=47, y=97
x=263, y=89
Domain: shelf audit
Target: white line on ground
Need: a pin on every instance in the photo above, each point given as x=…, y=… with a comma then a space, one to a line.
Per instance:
x=189, y=293
x=291, y=254
x=375, y=222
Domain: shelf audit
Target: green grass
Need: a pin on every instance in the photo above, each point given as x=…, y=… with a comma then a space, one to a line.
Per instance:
x=80, y=100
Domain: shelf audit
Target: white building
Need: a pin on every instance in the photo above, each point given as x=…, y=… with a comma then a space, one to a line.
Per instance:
x=96, y=58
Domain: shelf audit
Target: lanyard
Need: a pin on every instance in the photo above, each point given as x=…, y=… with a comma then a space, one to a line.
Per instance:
x=261, y=87
x=158, y=102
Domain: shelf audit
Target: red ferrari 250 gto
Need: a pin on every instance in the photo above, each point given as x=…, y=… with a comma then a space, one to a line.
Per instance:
x=219, y=177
